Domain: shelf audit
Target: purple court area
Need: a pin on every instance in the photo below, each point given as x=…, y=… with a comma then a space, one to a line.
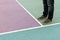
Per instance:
x=14, y=17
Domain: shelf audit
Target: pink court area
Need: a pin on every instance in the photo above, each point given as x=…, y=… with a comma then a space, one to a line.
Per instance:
x=14, y=17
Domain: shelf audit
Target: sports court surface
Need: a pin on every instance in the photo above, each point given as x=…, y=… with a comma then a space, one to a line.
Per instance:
x=14, y=17
x=45, y=33
x=35, y=7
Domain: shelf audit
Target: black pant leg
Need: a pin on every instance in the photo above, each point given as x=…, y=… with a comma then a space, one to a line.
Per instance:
x=50, y=9
x=45, y=12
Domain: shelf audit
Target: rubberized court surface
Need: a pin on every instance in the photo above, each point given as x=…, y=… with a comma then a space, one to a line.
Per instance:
x=35, y=7
x=45, y=33
x=14, y=17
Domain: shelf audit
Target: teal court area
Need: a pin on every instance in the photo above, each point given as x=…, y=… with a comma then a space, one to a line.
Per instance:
x=35, y=7
x=45, y=33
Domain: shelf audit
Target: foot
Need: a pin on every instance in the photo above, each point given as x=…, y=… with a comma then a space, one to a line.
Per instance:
x=42, y=17
x=47, y=21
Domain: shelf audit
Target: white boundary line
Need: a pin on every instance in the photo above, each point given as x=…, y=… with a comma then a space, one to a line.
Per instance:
x=51, y=24
x=28, y=11
x=26, y=28
x=19, y=30
x=29, y=28
x=33, y=16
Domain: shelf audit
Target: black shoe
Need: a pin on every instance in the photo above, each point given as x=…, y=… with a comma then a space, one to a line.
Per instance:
x=47, y=21
x=42, y=17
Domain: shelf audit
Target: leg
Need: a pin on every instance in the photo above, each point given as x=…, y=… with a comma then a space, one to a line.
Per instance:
x=50, y=8
x=50, y=11
x=45, y=12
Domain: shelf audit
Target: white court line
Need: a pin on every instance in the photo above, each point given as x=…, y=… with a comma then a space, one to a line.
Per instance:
x=28, y=12
x=33, y=16
x=28, y=28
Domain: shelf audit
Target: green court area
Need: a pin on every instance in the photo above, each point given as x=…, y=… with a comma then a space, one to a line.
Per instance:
x=35, y=7
x=44, y=33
